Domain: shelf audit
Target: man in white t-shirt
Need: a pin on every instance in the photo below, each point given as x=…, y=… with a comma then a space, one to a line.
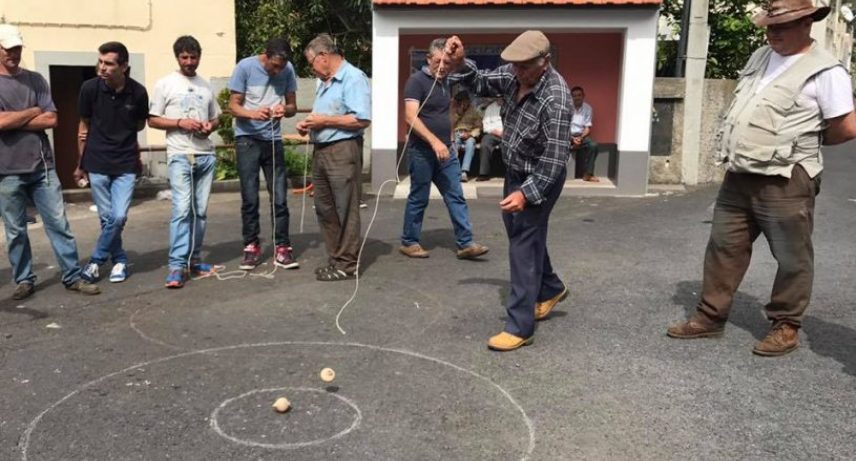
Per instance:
x=184, y=105
x=792, y=97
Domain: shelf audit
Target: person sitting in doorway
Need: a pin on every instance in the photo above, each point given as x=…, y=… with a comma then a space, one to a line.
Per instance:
x=466, y=122
x=581, y=142
x=491, y=137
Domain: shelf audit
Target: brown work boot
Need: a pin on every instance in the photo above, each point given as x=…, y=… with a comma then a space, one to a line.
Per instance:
x=413, y=251
x=505, y=341
x=698, y=326
x=543, y=309
x=473, y=251
x=782, y=339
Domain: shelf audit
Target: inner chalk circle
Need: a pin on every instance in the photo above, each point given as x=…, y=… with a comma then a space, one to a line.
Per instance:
x=250, y=413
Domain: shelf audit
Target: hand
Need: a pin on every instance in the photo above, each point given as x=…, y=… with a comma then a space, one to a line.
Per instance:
x=455, y=50
x=188, y=124
x=314, y=122
x=262, y=114
x=441, y=151
x=302, y=128
x=278, y=111
x=81, y=135
x=515, y=202
x=79, y=174
x=207, y=128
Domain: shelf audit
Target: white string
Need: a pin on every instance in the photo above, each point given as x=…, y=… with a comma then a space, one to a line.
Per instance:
x=397, y=181
x=305, y=187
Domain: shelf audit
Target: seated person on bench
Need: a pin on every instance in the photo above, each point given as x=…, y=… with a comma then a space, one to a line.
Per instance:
x=581, y=141
x=491, y=139
x=466, y=124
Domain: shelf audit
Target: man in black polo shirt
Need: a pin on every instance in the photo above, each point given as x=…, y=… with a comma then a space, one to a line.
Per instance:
x=113, y=108
x=426, y=108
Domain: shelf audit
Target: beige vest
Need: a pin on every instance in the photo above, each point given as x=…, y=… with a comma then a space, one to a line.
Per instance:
x=769, y=132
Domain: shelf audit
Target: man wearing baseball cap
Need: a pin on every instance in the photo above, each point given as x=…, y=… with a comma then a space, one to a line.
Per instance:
x=791, y=98
x=536, y=146
x=27, y=170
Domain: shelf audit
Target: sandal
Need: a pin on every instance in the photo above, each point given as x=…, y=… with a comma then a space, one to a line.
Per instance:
x=334, y=275
x=322, y=269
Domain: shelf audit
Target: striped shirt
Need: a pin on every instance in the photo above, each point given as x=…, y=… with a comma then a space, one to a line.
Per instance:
x=536, y=139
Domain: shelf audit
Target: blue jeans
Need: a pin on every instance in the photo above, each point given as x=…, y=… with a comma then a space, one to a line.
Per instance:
x=112, y=195
x=425, y=169
x=469, y=150
x=191, y=184
x=44, y=189
x=253, y=154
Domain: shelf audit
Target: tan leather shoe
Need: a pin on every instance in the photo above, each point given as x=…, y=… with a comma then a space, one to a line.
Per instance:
x=508, y=342
x=543, y=309
x=698, y=326
x=782, y=339
x=414, y=251
x=472, y=252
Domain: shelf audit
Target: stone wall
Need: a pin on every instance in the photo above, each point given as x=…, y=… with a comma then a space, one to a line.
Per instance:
x=667, y=169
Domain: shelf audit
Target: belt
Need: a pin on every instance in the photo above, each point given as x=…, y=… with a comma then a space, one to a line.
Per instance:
x=322, y=145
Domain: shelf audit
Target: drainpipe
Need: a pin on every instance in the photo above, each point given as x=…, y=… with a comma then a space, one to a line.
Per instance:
x=696, y=62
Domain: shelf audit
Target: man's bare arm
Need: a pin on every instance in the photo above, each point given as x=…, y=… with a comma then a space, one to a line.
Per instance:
x=14, y=120
x=43, y=121
x=411, y=116
x=841, y=129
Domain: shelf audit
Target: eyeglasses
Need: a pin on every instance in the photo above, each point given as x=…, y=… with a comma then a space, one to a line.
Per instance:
x=312, y=61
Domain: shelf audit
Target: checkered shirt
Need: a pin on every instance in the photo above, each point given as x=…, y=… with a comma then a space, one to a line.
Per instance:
x=536, y=137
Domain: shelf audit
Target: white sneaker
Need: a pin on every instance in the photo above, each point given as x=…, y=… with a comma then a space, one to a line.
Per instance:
x=90, y=273
x=464, y=176
x=119, y=273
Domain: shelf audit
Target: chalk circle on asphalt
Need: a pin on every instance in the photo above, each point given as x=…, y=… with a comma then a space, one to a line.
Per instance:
x=246, y=420
x=388, y=402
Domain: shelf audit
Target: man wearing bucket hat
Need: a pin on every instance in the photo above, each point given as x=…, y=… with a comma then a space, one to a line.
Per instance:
x=536, y=146
x=27, y=172
x=792, y=96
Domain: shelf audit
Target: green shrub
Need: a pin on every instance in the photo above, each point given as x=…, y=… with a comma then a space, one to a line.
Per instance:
x=295, y=162
x=227, y=165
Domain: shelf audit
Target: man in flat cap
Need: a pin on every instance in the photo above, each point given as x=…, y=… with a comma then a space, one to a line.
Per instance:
x=536, y=146
x=791, y=98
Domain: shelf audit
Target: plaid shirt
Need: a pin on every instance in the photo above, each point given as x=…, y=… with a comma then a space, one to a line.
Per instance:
x=536, y=139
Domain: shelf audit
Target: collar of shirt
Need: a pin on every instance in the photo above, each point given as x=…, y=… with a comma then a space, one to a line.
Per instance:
x=102, y=85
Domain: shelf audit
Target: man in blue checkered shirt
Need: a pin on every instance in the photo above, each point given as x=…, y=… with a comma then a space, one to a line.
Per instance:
x=536, y=118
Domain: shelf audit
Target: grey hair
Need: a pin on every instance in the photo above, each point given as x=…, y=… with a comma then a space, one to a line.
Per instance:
x=438, y=44
x=323, y=43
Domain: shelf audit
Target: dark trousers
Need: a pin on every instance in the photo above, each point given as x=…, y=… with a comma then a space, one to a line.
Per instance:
x=783, y=210
x=336, y=170
x=532, y=276
x=585, y=156
x=489, y=143
x=254, y=154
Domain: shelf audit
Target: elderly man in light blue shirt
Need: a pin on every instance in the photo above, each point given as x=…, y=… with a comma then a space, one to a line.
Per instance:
x=340, y=114
x=581, y=142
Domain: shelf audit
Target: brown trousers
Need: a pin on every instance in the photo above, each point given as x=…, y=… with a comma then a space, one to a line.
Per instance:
x=336, y=171
x=783, y=210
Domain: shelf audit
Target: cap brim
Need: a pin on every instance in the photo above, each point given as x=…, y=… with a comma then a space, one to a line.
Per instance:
x=818, y=13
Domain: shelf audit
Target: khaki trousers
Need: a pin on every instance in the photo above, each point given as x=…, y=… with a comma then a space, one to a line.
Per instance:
x=783, y=210
x=336, y=170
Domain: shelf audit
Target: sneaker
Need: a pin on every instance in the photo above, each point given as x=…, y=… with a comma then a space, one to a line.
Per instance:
x=23, y=290
x=84, y=287
x=322, y=269
x=119, y=273
x=284, y=257
x=252, y=257
x=90, y=273
x=464, y=177
x=413, y=251
x=782, y=339
x=473, y=251
x=199, y=269
x=175, y=279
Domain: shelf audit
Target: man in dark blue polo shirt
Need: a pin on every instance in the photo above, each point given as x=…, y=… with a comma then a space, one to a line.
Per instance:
x=113, y=108
x=426, y=107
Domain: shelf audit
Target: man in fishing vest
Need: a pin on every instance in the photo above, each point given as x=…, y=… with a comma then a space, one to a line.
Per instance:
x=791, y=97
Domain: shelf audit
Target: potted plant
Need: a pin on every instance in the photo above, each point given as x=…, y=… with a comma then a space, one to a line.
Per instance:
x=296, y=165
